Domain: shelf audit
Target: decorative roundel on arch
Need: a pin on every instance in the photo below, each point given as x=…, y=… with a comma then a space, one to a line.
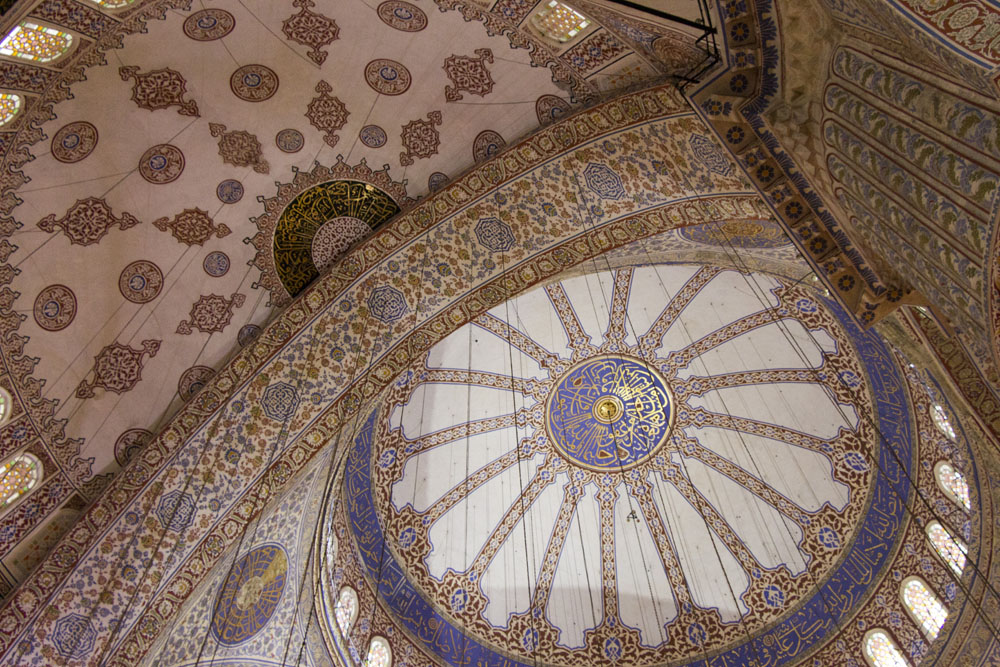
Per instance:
x=74, y=141
x=373, y=136
x=129, y=443
x=254, y=83
x=487, y=144
x=250, y=594
x=387, y=76
x=55, y=308
x=321, y=223
x=140, y=281
x=209, y=24
x=289, y=141
x=402, y=16
x=738, y=234
x=161, y=164
x=649, y=439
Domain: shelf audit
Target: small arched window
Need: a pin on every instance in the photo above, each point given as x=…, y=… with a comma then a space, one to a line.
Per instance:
x=881, y=651
x=6, y=406
x=559, y=22
x=953, y=484
x=379, y=654
x=941, y=420
x=924, y=607
x=10, y=104
x=113, y=4
x=40, y=44
x=346, y=609
x=951, y=549
x=19, y=475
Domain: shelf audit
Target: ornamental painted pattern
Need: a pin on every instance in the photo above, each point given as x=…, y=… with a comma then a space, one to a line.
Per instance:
x=327, y=113
x=420, y=139
x=586, y=511
x=311, y=29
x=87, y=221
x=74, y=142
x=159, y=89
x=468, y=74
x=239, y=148
x=209, y=24
x=211, y=314
x=192, y=226
x=118, y=368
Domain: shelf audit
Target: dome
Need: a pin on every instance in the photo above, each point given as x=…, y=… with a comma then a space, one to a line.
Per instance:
x=632, y=466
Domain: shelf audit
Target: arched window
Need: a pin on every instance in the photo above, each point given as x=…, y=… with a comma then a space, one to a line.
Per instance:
x=559, y=22
x=379, y=654
x=34, y=42
x=19, y=475
x=951, y=549
x=10, y=104
x=940, y=418
x=881, y=651
x=953, y=484
x=6, y=404
x=346, y=609
x=113, y=4
x=924, y=607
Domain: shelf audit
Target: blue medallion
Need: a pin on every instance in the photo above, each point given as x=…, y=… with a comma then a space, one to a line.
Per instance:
x=609, y=413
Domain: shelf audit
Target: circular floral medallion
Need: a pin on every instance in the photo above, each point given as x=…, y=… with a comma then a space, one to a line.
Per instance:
x=290, y=141
x=254, y=83
x=247, y=334
x=250, y=594
x=610, y=413
x=334, y=237
x=129, y=443
x=387, y=77
x=55, y=307
x=373, y=136
x=192, y=380
x=209, y=24
x=161, y=164
x=140, y=282
x=216, y=264
x=74, y=142
x=402, y=16
x=229, y=191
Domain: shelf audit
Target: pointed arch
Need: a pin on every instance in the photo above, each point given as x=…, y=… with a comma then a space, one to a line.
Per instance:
x=346, y=609
x=953, y=484
x=379, y=653
x=881, y=651
x=951, y=549
x=924, y=607
x=19, y=476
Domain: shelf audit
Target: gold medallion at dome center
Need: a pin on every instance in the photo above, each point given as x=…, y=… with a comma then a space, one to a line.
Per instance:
x=608, y=409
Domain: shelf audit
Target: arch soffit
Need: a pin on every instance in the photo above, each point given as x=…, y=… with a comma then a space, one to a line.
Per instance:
x=485, y=222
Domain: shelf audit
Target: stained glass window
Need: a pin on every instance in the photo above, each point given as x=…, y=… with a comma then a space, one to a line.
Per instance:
x=6, y=402
x=940, y=418
x=18, y=476
x=881, y=651
x=10, y=104
x=35, y=42
x=953, y=484
x=113, y=4
x=379, y=654
x=559, y=22
x=951, y=549
x=346, y=609
x=924, y=607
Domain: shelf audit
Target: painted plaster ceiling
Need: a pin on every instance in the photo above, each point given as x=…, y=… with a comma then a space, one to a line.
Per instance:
x=147, y=248
x=634, y=465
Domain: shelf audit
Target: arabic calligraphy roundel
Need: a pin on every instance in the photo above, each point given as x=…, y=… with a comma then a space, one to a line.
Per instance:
x=250, y=594
x=609, y=413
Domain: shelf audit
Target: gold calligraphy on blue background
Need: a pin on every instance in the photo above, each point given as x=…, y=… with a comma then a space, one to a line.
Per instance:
x=250, y=594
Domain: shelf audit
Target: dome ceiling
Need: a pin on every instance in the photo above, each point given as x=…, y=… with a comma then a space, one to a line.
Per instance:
x=187, y=186
x=663, y=459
